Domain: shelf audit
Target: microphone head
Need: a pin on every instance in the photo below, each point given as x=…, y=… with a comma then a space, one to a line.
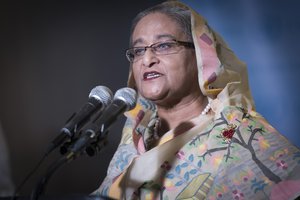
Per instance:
x=102, y=94
x=128, y=96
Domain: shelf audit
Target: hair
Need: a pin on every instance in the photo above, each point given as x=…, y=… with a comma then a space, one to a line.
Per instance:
x=177, y=12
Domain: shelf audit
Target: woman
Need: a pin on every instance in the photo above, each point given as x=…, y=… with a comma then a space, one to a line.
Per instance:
x=194, y=132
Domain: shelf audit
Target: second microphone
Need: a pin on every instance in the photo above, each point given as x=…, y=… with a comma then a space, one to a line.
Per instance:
x=124, y=100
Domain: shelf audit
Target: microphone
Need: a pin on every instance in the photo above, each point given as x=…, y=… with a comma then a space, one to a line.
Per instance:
x=124, y=100
x=99, y=97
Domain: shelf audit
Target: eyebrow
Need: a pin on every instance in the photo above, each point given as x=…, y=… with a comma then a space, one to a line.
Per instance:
x=158, y=37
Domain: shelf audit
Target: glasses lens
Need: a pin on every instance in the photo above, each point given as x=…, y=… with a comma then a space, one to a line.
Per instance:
x=139, y=51
x=135, y=53
x=166, y=47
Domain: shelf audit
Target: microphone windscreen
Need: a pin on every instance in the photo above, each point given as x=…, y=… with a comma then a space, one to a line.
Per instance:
x=128, y=96
x=102, y=94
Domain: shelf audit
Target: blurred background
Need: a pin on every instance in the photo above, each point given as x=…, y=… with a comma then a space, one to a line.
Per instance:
x=54, y=52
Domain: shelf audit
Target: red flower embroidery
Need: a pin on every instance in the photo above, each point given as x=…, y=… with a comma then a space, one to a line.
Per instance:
x=228, y=132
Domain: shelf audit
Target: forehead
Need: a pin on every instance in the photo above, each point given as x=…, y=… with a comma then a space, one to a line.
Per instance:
x=154, y=27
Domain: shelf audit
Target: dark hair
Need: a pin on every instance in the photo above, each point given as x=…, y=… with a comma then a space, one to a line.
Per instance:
x=177, y=12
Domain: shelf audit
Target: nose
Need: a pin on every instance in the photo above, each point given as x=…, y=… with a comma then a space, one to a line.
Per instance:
x=149, y=58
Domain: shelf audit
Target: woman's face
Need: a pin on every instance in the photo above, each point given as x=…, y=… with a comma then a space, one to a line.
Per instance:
x=164, y=79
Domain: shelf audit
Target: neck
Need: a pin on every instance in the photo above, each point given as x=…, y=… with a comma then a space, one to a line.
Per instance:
x=184, y=111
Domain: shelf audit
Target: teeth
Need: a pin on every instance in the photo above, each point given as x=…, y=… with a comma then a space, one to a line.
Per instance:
x=152, y=75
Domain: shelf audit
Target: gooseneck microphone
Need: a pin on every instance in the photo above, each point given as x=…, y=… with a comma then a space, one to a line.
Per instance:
x=124, y=100
x=99, y=97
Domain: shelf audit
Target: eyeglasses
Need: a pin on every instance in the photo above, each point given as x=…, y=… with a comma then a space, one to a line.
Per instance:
x=160, y=48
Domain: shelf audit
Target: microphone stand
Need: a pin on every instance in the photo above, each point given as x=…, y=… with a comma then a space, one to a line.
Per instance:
x=76, y=149
x=40, y=187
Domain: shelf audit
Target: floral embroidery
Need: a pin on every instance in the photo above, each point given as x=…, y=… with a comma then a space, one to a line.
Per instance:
x=237, y=195
x=282, y=164
x=227, y=133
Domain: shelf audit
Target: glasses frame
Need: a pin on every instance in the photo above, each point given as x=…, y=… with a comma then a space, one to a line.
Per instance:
x=179, y=43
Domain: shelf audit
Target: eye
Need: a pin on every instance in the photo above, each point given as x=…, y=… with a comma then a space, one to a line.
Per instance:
x=139, y=51
x=164, y=46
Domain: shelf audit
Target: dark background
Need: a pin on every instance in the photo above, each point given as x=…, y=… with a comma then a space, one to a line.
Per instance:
x=54, y=52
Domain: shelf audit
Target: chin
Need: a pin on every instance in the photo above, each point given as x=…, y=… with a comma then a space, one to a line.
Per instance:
x=151, y=96
x=156, y=98
x=153, y=92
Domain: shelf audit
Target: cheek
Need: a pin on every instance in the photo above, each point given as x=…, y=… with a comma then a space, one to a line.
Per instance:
x=183, y=71
x=191, y=69
x=136, y=76
x=186, y=72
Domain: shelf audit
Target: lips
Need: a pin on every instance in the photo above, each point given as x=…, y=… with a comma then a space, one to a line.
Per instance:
x=151, y=75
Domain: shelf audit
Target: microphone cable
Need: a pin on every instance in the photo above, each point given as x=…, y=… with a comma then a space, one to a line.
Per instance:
x=18, y=189
x=41, y=185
